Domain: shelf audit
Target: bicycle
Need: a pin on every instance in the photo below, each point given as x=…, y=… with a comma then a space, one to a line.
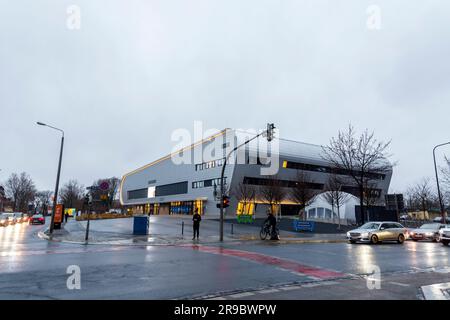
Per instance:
x=266, y=231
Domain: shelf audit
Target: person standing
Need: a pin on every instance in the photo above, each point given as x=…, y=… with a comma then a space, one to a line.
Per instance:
x=196, y=218
x=66, y=216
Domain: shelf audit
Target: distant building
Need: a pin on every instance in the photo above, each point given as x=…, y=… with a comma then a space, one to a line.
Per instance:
x=321, y=210
x=164, y=187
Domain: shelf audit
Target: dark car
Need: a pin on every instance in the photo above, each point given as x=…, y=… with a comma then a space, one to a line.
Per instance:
x=428, y=231
x=37, y=219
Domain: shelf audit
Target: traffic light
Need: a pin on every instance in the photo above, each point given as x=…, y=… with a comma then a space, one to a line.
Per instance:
x=270, y=131
x=225, y=201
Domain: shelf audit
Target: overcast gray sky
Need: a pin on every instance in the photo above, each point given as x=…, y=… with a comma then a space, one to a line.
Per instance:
x=137, y=70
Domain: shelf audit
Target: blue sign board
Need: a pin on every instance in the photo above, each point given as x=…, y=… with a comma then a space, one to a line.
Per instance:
x=304, y=225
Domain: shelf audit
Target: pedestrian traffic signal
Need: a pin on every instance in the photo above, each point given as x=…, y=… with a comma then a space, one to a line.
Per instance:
x=226, y=201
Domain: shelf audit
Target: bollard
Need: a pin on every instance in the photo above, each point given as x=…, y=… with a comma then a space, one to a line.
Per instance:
x=232, y=225
x=182, y=227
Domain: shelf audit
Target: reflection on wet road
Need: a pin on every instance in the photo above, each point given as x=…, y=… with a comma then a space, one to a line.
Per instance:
x=31, y=267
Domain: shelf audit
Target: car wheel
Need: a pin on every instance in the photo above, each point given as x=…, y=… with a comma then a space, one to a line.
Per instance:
x=352, y=241
x=445, y=242
x=374, y=239
x=415, y=240
x=401, y=239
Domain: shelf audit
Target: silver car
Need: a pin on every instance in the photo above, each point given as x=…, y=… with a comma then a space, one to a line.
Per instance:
x=427, y=231
x=375, y=232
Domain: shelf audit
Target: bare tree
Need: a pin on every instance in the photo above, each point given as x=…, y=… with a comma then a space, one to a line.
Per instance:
x=272, y=193
x=302, y=192
x=43, y=200
x=363, y=158
x=334, y=195
x=21, y=190
x=71, y=194
x=421, y=195
x=245, y=194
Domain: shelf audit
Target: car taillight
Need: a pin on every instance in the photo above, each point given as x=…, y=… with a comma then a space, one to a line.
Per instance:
x=41, y=219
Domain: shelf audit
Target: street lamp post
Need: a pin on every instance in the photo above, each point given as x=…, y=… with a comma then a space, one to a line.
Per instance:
x=55, y=197
x=269, y=134
x=441, y=204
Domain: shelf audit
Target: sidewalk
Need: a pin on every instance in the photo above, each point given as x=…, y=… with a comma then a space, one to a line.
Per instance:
x=174, y=230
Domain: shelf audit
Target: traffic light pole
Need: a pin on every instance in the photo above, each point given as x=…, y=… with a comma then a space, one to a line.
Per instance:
x=222, y=193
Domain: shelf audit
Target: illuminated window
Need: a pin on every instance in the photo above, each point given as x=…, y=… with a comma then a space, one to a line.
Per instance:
x=151, y=192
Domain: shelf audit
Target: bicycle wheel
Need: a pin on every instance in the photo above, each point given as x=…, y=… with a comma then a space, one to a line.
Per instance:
x=263, y=234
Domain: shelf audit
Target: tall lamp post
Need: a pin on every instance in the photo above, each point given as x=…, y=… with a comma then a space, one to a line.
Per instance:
x=269, y=133
x=55, y=198
x=441, y=204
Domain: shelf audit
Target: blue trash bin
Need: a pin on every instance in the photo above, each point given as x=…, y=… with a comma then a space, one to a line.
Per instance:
x=140, y=225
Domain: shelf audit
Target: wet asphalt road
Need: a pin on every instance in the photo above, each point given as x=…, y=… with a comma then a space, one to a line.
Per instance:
x=32, y=268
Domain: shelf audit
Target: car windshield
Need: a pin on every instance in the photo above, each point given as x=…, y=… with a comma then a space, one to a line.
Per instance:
x=430, y=226
x=370, y=225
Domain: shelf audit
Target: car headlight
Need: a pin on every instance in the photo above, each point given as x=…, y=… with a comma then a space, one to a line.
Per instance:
x=429, y=233
x=365, y=234
x=348, y=234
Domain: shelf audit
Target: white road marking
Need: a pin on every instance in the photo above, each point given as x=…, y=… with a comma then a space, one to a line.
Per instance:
x=217, y=298
x=241, y=295
x=268, y=291
x=329, y=283
x=436, y=291
x=399, y=284
x=310, y=285
x=290, y=288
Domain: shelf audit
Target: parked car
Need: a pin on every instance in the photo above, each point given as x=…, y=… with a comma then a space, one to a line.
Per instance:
x=440, y=220
x=444, y=235
x=375, y=232
x=427, y=231
x=18, y=216
x=12, y=220
x=4, y=221
x=405, y=217
x=37, y=219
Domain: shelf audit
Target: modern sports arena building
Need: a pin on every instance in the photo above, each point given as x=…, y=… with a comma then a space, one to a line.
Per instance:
x=190, y=177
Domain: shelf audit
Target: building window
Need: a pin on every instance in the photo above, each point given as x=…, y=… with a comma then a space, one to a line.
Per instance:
x=171, y=189
x=326, y=169
x=207, y=183
x=209, y=164
x=138, y=194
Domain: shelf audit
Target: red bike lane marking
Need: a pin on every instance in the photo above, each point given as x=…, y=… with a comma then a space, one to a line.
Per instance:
x=270, y=260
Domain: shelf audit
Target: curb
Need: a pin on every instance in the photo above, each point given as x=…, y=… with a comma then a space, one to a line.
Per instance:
x=42, y=235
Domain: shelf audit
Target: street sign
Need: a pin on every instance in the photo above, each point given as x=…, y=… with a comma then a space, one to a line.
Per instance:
x=59, y=210
x=104, y=185
x=304, y=225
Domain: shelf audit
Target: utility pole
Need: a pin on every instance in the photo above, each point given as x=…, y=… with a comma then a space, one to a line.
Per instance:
x=269, y=133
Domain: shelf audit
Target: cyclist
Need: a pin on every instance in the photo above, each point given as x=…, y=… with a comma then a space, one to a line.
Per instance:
x=272, y=222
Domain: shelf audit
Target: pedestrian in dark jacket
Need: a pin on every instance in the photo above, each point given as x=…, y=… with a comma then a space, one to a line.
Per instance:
x=66, y=216
x=196, y=218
